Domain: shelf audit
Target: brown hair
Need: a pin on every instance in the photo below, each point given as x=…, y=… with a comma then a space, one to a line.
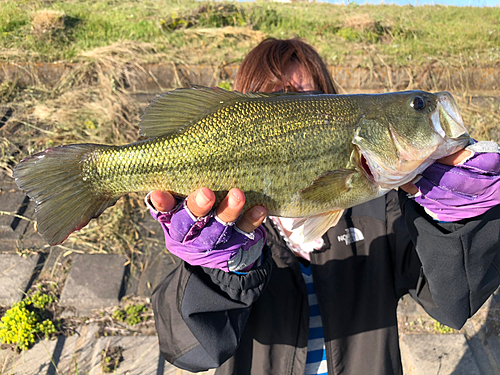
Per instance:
x=263, y=68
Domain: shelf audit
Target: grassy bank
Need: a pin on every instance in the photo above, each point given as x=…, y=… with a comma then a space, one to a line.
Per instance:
x=108, y=41
x=191, y=31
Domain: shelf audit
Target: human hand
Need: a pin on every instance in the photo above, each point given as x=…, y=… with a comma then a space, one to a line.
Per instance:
x=198, y=236
x=460, y=186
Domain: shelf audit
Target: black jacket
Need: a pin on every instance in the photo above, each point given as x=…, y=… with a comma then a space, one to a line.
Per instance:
x=258, y=323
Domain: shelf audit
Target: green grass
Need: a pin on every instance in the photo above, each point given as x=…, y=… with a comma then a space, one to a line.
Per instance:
x=364, y=35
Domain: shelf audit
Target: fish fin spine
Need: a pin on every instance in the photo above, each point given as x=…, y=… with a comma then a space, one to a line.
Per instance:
x=176, y=110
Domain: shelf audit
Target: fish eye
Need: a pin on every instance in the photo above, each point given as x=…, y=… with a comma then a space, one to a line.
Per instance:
x=417, y=103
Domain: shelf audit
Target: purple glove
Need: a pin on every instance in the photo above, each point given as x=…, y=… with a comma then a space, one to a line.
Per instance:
x=452, y=193
x=207, y=241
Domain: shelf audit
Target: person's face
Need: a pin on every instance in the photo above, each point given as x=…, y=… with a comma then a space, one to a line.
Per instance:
x=298, y=77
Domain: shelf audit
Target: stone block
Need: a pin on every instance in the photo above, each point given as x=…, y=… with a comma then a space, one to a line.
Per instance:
x=493, y=344
x=94, y=282
x=437, y=354
x=155, y=269
x=408, y=307
x=15, y=231
x=55, y=263
x=153, y=262
x=36, y=360
x=12, y=202
x=7, y=357
x=15, y=275
x=77, y=351
x=172, y=370
x=141, y=354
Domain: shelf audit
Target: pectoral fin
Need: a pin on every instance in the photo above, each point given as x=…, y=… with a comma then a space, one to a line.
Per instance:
x=316, y=226
x=324, y=189
x=330, y=183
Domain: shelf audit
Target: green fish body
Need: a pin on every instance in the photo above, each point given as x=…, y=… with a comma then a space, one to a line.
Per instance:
x=299, y=155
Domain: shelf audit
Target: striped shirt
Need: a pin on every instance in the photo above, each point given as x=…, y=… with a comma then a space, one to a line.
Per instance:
x=316, y=354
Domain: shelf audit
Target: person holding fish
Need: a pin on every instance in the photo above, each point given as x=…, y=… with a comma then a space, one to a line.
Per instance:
x=256, y=296
x=314, y=288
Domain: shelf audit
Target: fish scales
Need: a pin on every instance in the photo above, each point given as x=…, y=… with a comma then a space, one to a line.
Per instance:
x=299, y=155
x=277, y=136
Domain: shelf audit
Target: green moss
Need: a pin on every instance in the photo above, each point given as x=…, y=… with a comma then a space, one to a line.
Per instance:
x=441, y=328
x=132, y=314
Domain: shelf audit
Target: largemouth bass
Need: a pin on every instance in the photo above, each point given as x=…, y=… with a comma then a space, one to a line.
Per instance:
x=299, y=155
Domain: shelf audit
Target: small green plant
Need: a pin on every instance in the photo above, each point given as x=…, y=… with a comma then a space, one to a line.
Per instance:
x=131, y=314
x=225, y=85
x=349, y=34
x=441, y=328
x=119, y=315
x=24, y=320
x=41, y=300
x=111, y=358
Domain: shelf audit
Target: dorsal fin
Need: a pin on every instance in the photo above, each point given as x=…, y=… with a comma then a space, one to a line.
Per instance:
x=176, y=110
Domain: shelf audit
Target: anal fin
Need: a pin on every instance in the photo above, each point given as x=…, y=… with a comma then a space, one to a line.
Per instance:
x=317, y=225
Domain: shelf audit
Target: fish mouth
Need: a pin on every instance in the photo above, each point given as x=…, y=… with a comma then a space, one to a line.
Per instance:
x=448, y=123
x=395, y=160
x=447, y=120
x=391, y=176
x=366, y=168
x=447, y=136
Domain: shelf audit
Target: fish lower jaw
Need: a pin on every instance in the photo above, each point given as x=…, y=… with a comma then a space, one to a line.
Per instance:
x=451, y=146
x=387, y=185
x=388, y=180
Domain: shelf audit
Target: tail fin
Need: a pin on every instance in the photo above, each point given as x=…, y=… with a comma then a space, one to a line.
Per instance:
x=64, y=201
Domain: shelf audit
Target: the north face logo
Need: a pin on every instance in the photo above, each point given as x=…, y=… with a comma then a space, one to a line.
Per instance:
x=351, y=235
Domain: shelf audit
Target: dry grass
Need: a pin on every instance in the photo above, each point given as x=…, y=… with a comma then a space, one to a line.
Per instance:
x=117, y=230
x=47, y=21
x=90, y=104
x=229, y=31
x=481, y=120
x=361, y=21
